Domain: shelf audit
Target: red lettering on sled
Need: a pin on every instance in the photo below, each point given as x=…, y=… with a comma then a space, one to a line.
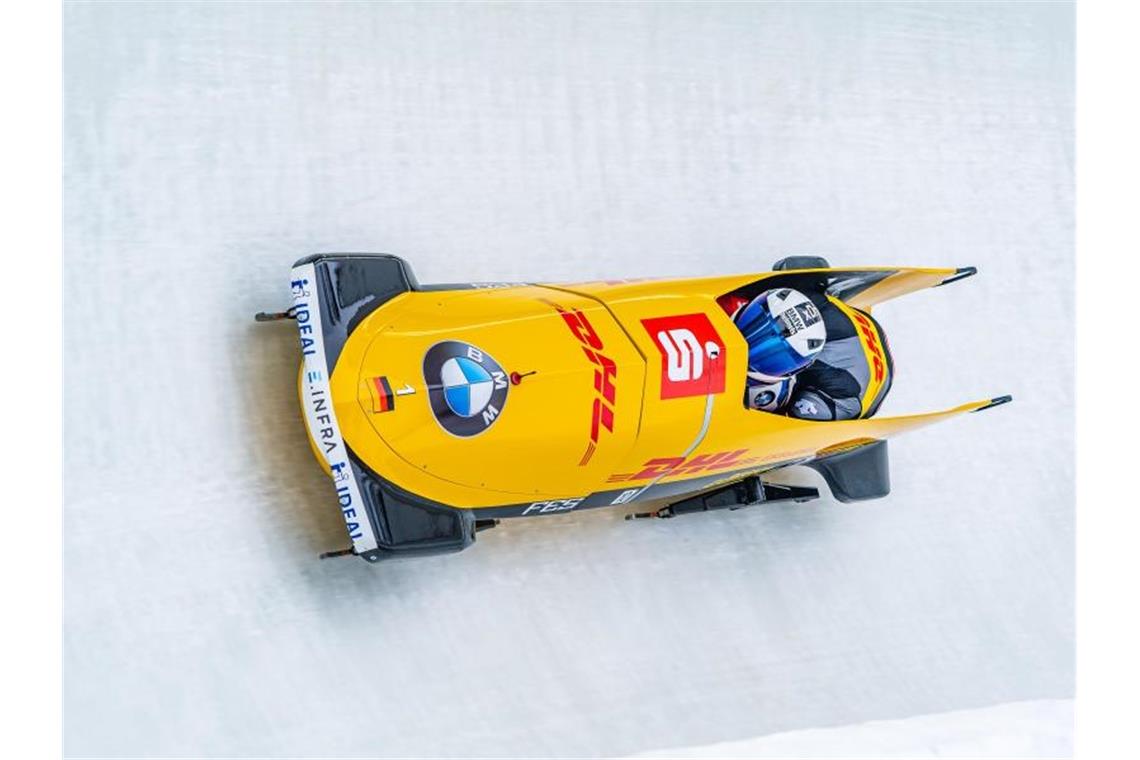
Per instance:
x=605, y=375
x=871, y=339
x=692, y=355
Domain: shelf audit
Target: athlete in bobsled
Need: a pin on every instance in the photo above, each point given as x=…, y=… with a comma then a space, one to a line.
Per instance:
x=420, y=402
x=812, y=356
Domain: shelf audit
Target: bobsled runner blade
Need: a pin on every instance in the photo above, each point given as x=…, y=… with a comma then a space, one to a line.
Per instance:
x=274, y=316
x=748, y=492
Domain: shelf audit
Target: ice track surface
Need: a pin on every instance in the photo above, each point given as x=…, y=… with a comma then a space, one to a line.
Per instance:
x=210, y=145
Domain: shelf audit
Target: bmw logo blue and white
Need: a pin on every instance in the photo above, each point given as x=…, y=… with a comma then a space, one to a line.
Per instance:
x=467, y=389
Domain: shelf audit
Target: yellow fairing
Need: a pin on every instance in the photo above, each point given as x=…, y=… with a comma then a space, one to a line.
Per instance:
x=900, y=282
x=608, y=394
x=540, y=444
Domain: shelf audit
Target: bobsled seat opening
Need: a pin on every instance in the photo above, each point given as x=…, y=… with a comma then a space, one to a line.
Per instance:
x=810, y=354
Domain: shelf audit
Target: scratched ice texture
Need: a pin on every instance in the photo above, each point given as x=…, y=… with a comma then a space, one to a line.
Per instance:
x=209, y=145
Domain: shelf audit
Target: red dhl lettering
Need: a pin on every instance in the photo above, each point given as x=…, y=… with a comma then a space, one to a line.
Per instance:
x=581, y=328
x=605, y=373
x=872, y=340
x=655, y=468
x=662, y=466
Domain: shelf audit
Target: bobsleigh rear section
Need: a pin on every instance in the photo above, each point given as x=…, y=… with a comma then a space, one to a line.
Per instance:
x=439, y=409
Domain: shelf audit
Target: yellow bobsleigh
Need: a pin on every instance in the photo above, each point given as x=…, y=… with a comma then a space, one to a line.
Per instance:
x=439, y=409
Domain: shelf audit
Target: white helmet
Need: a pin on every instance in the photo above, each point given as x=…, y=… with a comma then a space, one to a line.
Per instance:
x=784, y=330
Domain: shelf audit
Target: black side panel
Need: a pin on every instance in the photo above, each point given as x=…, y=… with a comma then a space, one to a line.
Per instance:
x=407, y=525
x=352, y=286
x=863, y=473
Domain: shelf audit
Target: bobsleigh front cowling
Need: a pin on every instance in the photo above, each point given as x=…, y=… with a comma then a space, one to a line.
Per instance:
x=438, y=409
x=332, y=295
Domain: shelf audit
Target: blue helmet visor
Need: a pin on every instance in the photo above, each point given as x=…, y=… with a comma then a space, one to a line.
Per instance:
x=769, y=352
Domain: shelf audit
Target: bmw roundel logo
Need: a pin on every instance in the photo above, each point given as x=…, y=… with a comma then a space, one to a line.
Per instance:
x=467, y=389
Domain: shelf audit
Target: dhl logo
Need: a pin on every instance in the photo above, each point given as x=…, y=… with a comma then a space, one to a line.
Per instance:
x=871, y=340
x=605, y=372
x=663, y=466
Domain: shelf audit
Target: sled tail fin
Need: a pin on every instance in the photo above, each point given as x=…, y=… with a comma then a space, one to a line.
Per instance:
x=856, y=467
x=994, y=402
x=895, y=283
x=888, y=427
x=863, y=287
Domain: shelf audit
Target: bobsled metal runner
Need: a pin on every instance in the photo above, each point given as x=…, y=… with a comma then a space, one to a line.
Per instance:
x=438, y=410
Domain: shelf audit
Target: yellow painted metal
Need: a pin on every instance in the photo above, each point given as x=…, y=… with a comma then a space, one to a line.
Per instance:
x=900, y=283
x=541, y=446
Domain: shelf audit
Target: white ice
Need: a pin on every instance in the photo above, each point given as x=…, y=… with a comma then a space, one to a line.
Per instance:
x=1036, y=728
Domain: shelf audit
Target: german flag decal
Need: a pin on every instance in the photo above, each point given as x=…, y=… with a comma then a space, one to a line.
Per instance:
x=383, y=400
